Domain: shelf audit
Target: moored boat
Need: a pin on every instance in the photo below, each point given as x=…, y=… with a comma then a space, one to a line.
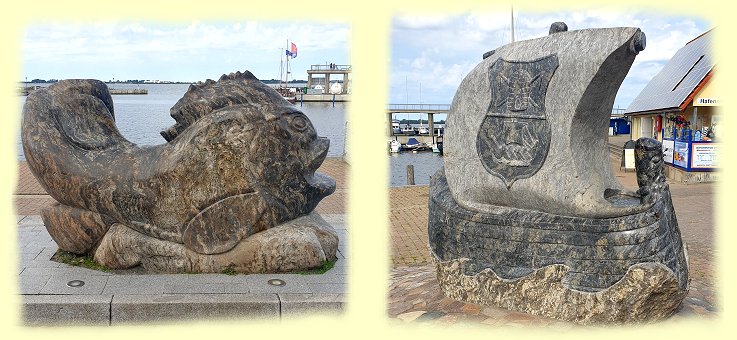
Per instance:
x=394, y=146
x=414, y=145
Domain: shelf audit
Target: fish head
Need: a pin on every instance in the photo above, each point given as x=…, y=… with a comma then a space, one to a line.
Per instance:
x=278, y=147
x=285, y=155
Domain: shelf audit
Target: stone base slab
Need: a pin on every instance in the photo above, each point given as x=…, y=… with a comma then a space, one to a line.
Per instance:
x=301, y=244
x=647, y=292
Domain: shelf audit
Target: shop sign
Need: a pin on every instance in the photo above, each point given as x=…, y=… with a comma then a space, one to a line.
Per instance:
x=706, y=102
x=704, y=155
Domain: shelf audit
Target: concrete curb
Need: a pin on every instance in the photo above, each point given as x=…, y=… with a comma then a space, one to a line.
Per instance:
x=99, y=310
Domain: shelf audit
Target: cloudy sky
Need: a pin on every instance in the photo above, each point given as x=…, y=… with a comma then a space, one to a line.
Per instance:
x=431, y=54
x=178, y=52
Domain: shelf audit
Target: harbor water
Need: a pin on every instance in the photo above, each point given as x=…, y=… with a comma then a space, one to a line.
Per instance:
x=140, y=118
x=425, y=164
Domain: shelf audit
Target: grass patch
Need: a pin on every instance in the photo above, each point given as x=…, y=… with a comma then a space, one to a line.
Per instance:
x=72, y=259
x=327, y=265
x=229, y=270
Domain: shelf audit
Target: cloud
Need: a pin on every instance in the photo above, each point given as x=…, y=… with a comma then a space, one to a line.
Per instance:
x=440, y=51
x=424, y=22
x=165, y=47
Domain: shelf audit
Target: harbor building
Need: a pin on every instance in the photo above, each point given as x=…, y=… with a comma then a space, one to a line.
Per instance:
x=680, y=108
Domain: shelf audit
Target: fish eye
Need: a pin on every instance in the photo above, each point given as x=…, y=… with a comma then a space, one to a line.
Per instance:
x=299, y=122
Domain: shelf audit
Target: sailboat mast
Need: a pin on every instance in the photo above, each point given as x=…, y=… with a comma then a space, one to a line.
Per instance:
x=281, y=66
x=421, y=104
x=287, y=77
x=512, y=23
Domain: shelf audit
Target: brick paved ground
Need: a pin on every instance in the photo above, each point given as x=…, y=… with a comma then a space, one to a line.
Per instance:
x=408, y=218
x=414, y=295
x=30, y=197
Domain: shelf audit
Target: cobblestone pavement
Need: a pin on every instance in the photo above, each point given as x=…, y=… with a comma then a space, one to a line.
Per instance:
x=414, y=294
x=30, y=196
x=408, y=219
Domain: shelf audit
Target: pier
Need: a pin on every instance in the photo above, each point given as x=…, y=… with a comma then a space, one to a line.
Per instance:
x=326, y=71
x=24, y=91
x=429, y=109
x=301, y=97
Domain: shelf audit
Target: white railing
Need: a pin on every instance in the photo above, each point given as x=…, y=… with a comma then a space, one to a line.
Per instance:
x=417, y=107
x=330, y=68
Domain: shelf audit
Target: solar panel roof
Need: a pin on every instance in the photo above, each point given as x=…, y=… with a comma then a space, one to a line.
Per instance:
x=678, y=78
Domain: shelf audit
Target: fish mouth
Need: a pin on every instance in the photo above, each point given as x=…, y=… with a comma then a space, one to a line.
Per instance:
x=323, y=185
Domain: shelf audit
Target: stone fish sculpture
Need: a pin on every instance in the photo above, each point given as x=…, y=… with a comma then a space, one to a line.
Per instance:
x=526, y=213
x=234, y=187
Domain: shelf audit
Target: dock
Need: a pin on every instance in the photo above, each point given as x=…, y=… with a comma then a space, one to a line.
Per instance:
x=429, y=109
x=128, y=91
x=322, y=98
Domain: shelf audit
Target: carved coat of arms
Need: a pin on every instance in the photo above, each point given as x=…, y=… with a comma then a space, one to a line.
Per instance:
x=514, y=137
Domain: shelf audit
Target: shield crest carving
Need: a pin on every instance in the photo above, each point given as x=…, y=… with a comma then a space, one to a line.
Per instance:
x=514, y=137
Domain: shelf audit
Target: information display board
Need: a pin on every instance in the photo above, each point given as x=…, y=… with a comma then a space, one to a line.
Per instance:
x=629, y=159
x=668, y=151
x=704, y=155
x=680, y=154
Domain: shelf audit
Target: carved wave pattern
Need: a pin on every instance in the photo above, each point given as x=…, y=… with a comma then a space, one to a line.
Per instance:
x=515, y=243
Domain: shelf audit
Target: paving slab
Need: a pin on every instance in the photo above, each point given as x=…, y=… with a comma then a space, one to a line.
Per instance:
x=66, y=270
x=127, y=309
x=335, y=275
x=28, y=256
x=63, y=285
x=259, y=283
x=32, y=284
x=31, y=220
x=327, y=288
x=133, y=285
x=194, y=288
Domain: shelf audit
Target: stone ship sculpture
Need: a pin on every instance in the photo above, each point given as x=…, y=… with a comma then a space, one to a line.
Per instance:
x=526, y=213
x=234, y=187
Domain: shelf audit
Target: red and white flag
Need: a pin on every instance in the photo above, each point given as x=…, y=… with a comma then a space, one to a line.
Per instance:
x=294, y=50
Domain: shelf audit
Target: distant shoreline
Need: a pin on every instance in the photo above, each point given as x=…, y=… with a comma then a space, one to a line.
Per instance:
x=131, y=82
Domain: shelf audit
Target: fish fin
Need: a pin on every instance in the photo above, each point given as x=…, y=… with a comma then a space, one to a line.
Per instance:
x=222, y=225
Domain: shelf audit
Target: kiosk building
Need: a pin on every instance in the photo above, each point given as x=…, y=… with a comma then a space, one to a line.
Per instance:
x=679, y=107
